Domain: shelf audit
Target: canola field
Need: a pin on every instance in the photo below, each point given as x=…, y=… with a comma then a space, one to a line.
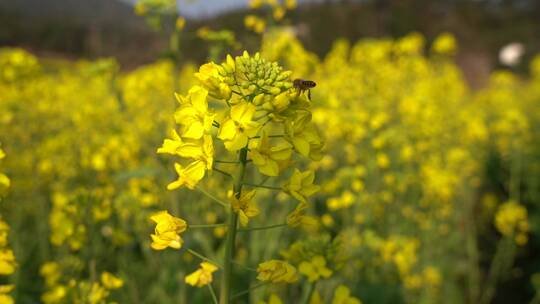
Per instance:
x=393, y=182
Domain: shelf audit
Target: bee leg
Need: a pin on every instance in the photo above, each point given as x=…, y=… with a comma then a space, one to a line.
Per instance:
x=309, y=94
x=298, y=91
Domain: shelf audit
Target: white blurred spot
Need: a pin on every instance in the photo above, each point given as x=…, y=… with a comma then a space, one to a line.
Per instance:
x=511, y=53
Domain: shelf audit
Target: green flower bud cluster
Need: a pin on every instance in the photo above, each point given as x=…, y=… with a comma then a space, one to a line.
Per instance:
x=255, y=76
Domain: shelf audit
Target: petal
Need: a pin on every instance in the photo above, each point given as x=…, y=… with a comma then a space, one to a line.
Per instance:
x=227, y=130
x=198, y=98
x=195, y=130
x=161, y=216
x=301, y=145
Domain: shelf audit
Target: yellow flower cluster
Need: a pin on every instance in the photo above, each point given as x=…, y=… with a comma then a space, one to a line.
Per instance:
x=511, y=220
x=402, y=177
x=277, y=271
x=277, y=8
x=8, y=263
x=94, y=292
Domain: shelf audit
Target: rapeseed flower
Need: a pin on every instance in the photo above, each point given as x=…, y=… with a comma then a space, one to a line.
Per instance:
x=167, y=231
x=276, y=271
x=202, y=276
x=236, y=129
x=300, y=185
x=244, y=206
x=315, y=269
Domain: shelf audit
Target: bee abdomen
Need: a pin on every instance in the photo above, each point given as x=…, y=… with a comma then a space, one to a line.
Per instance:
x=309, y=83
x=304, y=84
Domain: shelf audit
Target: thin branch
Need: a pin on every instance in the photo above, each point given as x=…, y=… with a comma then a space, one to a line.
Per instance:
x=222, y=172
x=226, y=161
x=270, y=136
x=215, y=199
x=263, y=186
x=214, y=298
x=264, y=180
x=202, y=257
x=244, y=266
x=208, y=225
x=262, y=228
x=236, y=295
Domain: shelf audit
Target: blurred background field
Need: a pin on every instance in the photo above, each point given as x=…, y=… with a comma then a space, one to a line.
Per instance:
x=430, y=173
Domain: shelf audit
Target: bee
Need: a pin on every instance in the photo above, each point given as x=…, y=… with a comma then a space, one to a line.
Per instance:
x=304, y=85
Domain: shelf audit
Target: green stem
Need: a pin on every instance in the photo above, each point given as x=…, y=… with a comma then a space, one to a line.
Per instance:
x=262, y=228
x=202, y=257
x=244, y=266
x=237, y=295
x=207, y=225
x=309, y=293
x=500, y=266
x=473, y=257
x=222, y=172
x=215, y=199
x=226, y=161
x=226, y=280
x=263, y=186
x=214, y=298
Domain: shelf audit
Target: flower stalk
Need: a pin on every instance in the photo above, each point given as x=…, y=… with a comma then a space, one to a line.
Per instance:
x=225, y=292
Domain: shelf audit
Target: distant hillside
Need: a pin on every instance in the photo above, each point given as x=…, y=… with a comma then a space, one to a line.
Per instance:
x=76, y=11
x=93, y=28
x=89, y=28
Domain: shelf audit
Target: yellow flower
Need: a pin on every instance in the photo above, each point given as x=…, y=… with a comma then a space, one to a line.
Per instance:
x=254, y=4
x=267, y=157
x=188, y=176
x=50, y=271
x=300, y=185
x=511, y=220
x=110, y=281
x=245, y=206
x=342, y=295
x=236, y=130
x=290, y=4
x=4, y=230
x=180, y=23
x=54, y=295
x=211, y=79
x=277, y=271
x=5, y=298
x=278, y=13
x=7, y=262
x=432, y=276
x=141, y=9
x=445, y=44
x=315, y=269
x=202, y=276
x=304, y=137
x=195, y=149
x=295, y=218
x=273, y=299
x=166, y=233
x=4, y=183
x=255, y=23
x=97, y=294
x=193, y=113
